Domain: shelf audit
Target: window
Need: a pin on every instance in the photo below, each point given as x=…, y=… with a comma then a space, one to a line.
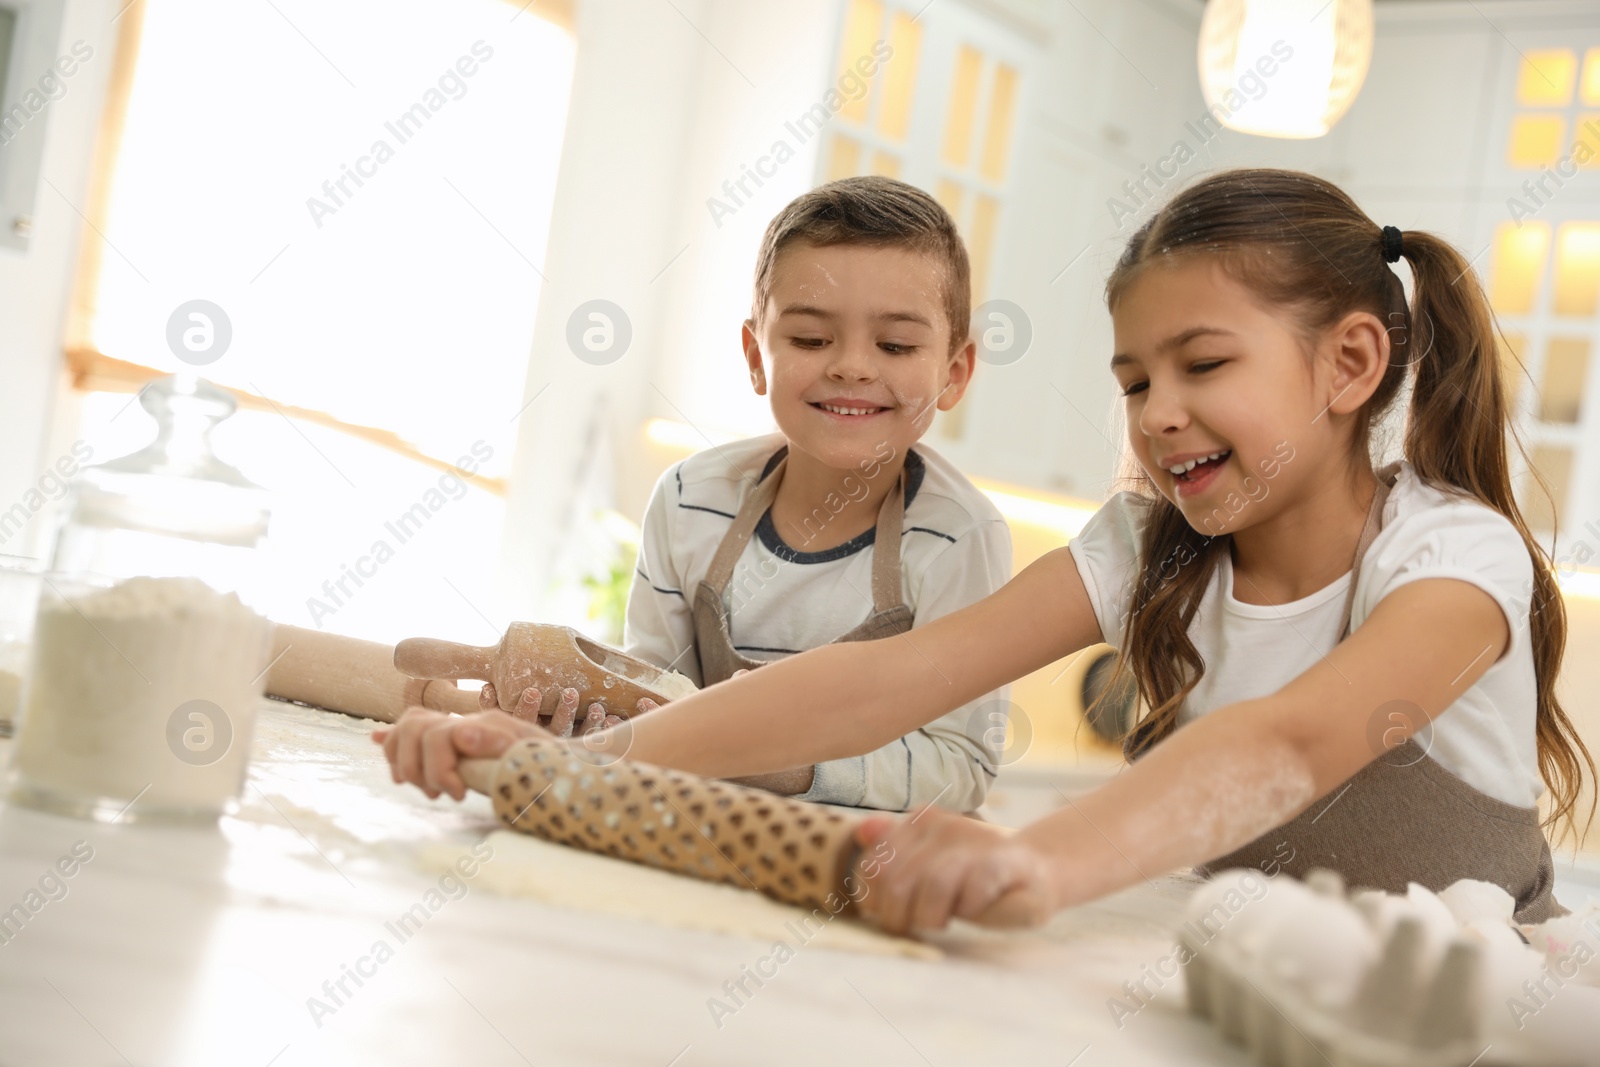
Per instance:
x=364, y=189
x=939, y=114
x=1544, y=278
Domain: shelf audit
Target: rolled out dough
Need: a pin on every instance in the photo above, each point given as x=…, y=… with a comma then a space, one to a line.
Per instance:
x=525, y=866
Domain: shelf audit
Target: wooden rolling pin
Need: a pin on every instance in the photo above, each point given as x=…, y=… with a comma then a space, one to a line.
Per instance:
x=355, y=677
x=546, y=657
x=792, y=850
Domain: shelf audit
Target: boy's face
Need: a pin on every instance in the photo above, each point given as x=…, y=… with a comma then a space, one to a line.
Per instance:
x=854, y=350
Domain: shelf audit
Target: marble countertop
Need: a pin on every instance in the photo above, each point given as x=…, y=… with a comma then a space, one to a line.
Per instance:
x=206, y=946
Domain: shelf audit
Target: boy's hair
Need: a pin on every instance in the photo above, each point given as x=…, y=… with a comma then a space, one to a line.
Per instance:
x=1301, y=244
x=872, y=211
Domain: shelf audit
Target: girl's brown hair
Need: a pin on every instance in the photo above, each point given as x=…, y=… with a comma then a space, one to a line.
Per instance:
x=1300, y=243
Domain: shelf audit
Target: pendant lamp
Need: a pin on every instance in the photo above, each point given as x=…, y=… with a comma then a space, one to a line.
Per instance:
x=1283, y=68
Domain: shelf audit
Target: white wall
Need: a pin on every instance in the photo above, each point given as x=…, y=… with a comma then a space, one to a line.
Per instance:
x=35, y=285
x=665, y=107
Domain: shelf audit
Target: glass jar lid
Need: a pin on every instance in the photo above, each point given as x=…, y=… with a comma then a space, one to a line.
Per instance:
x=176, y=485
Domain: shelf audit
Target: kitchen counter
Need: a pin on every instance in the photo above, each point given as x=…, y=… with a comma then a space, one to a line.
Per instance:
x=205, y=946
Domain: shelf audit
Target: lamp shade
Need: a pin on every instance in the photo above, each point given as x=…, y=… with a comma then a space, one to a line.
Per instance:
x=1284, y=68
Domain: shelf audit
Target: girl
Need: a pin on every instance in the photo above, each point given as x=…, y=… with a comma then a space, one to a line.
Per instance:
x=1343, y=667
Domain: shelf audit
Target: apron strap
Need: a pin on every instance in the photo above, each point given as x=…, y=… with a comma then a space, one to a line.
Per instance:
x=1369, y=533
x=886, y=548
x=720, y=573
x=886, y=593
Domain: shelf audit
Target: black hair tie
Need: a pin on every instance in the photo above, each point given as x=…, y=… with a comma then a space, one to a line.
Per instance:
x=1393, y=247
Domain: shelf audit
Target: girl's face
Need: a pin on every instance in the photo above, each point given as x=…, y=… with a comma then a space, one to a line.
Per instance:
x=1218, y=388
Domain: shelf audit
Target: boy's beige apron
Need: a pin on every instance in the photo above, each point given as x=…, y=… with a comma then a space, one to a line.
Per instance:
x=712, y=637
x=1404, y=818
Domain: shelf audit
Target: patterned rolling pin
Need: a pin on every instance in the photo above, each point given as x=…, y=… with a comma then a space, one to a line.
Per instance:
x=792, y=850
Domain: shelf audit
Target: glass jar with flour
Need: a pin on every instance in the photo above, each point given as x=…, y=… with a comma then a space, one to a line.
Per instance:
x=149, y=651
x=19, y=599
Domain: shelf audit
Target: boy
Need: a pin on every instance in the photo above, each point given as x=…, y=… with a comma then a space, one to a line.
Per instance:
x=835, y=528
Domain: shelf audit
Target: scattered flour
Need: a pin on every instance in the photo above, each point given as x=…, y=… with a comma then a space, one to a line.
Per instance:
x=673, y=685
x=668, y=683
x=113, y=667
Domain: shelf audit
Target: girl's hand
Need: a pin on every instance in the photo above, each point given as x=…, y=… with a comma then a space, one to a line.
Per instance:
x=926, y=869
x=424, y=746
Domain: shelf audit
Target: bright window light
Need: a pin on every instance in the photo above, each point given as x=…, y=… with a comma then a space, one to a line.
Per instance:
x=365, y=190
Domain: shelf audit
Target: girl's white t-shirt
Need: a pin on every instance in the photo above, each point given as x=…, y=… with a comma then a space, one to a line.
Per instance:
x=1486, y=738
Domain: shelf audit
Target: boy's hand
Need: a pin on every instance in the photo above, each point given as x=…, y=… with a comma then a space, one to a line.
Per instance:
x=923, y=870
x=564, y=718
x=424, y=746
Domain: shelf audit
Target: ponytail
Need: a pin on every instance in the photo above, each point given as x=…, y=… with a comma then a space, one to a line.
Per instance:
x=1456, y=435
